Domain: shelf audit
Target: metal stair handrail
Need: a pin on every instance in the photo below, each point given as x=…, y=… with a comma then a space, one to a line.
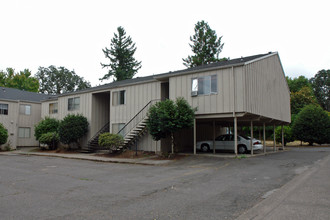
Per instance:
x=131, y=124
x=99, y=132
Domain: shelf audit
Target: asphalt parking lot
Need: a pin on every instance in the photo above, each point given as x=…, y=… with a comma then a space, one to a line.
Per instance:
x=36, y=187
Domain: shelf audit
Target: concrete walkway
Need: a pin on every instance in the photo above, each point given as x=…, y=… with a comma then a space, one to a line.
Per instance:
x=93, y=157
x=307, y=196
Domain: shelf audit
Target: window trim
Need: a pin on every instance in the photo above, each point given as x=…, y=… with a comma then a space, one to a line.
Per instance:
x=74, y=105
x=118, y=97
x=25, y=128
x=53, y=110
x=202, y=82
x=4, y=111
x=25, y=111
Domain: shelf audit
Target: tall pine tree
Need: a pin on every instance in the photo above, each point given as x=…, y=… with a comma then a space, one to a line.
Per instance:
x=206, y=46
x=122, y=63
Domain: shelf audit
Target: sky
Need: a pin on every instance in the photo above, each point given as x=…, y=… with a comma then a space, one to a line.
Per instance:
x=72, y=33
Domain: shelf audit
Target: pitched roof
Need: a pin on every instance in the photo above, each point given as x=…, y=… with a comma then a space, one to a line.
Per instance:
x=220, y=64
x=20, y=95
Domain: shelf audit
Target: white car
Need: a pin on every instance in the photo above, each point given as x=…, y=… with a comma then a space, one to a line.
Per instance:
x=226, y=142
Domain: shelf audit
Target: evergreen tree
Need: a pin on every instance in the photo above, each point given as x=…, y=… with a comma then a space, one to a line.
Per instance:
x=206, y=46
x=122, y=63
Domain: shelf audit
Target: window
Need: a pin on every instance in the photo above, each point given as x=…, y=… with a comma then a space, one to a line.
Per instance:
x=3, y=109
x=74, y=103
x=204, y=85
x=24, y=132
x=117, y=127
x=53, y=108
x=118, y=98
x=25, y=109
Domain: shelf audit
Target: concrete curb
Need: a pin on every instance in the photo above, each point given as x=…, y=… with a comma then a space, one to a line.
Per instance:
x=140, y=161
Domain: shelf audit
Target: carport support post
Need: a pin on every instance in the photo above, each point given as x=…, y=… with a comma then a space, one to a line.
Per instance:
x=274, y=139
x=235, y=134
x=195, y=136
x=213, y=137
x=264, y=136
x=251, y=143
x=282, y=137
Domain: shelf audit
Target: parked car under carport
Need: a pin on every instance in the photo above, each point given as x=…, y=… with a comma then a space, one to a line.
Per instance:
x=226, y=142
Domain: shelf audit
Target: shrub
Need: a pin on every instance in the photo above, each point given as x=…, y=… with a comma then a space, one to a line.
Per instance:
x=312, y=125
x=45, y=126
x=71, y=128
x=3, y=134
x=288, y=134
x=51, y=139
x=110, y=141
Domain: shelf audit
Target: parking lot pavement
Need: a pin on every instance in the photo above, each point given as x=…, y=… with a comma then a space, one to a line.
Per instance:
x=33, y=187
x=307, y=196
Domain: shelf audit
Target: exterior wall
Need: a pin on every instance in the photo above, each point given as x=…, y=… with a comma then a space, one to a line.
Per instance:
x=222, y=102
x=266, y=89
x=14, y=120
x=137, y=96
x=10, y=122
x=45, y=109
x=29, y=121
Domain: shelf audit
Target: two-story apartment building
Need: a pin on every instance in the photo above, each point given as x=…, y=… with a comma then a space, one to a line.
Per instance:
x=19, y=112
x=243, y=91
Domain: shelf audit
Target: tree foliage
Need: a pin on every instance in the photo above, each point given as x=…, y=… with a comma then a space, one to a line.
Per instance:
x=288, y=134
x=312, y=125
x=122, y=64
x=297, y=84
x=3, y=134
x=50, y=138
x=302, y=98
x=110, y=141
x=20, y=80
x=47, y=125
x=167, y=117
x=72, y=127
x=59, y=80
x=321, y=87
x=206, y=46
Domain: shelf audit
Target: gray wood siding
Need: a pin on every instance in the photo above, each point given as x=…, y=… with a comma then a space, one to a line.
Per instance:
x=267, y=92
x=29, y=121
x=137, y=96
x=10, y=122
x=100, y=111
x=222, y=102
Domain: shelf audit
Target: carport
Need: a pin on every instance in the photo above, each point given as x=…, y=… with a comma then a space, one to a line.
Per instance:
x=217, y=124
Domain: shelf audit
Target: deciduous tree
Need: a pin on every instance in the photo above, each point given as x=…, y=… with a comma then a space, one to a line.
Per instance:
x=321, y=87
x=122, y=64
x=20, y=80
x=167, y=117
x=55, y=80
x=312, y=125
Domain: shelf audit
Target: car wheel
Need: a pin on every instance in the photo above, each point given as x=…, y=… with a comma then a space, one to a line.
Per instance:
x=242, y=149
x=205, y=147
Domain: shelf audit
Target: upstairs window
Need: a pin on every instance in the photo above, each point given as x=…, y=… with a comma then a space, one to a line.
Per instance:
x=204, y=85
x=73, y=103
x=3, y=109
x=119, y=97
x=25, y=109
x=53, y=108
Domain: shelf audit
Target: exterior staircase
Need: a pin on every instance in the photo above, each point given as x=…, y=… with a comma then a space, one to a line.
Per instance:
x=93, y=143
x=132, y=131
